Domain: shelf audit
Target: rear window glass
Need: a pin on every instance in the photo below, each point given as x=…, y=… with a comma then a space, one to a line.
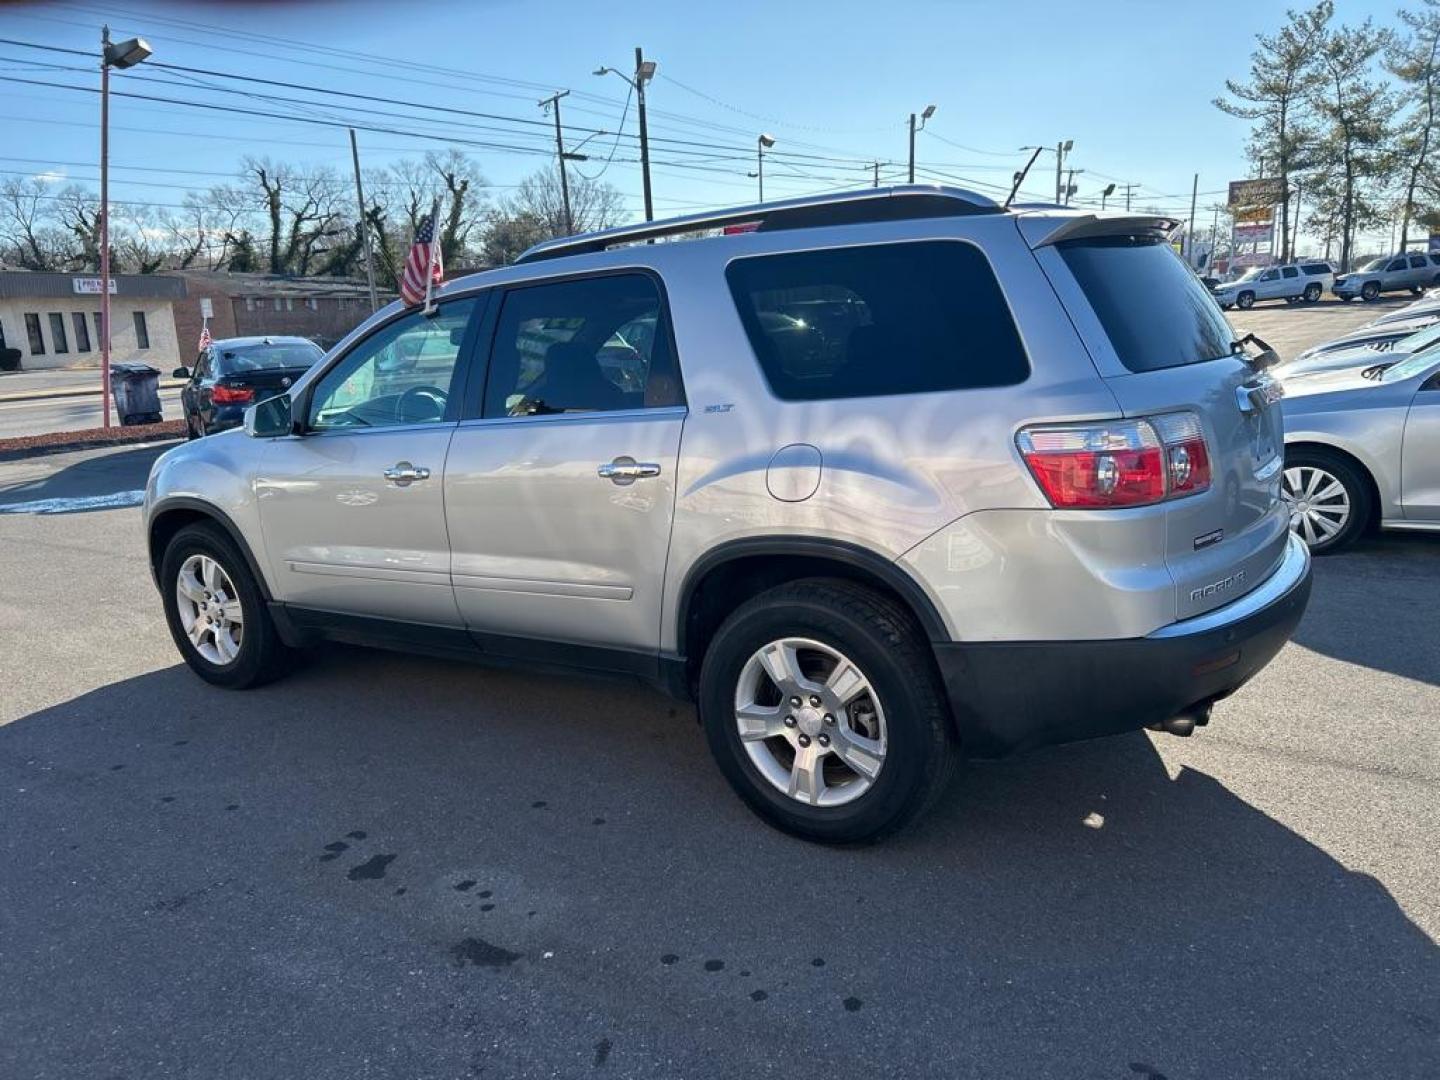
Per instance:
x=1154, y=310
x=877, y=320
x=284, y=354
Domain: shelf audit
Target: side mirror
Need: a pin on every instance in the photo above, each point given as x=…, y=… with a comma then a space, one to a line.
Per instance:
x=180, y=373
x=270, y=418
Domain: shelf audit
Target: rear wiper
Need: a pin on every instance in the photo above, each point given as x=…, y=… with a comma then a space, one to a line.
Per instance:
x=1266, y=358
x=1375, y=371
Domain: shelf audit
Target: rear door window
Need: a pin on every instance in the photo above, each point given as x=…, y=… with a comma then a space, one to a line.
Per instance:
x=1290, y=272
x=1156, y=313
x=877, y=320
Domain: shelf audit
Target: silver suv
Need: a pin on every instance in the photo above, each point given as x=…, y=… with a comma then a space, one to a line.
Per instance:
x=1415, y=270
x=879, y=475
x=1295, y=281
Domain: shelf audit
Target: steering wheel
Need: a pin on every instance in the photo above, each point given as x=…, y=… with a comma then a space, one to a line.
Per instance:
x=421, y=404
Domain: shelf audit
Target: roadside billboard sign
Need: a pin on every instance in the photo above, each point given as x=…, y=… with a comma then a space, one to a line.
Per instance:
x=1255, y=234
x=1260, y=192
x=1252, y=215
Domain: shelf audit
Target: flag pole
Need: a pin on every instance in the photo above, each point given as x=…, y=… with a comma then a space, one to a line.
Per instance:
x=429, y=308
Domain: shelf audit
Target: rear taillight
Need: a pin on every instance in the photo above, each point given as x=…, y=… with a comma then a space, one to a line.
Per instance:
x=231, y=395
x=1118, y=462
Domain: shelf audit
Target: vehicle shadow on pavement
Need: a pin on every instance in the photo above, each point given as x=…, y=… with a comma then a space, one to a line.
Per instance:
x=1375, y=605
x=86, y=483
x=398, y=865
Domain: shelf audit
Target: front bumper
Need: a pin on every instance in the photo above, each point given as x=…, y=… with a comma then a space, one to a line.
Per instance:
x=1012, y=695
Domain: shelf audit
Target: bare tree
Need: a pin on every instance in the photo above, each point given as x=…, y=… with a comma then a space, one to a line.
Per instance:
x=305, y=212
x=28, y=225
x=1283, y=72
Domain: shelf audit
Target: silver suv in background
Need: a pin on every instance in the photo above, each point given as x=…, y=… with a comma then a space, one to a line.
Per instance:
x=896, y=472
x=1294, y=281
x=1415, y=271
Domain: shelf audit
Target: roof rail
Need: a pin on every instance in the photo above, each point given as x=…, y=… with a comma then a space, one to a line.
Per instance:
x=808, y=211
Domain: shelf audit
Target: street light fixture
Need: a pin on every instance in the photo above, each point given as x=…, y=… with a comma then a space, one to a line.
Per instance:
x=763, y=143
x=125, y=54
x=1109, y=190
x=925, y=114
x=644, y=73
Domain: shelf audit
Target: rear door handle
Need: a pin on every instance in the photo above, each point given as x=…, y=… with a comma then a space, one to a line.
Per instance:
x=402, y=473
x=626, y=470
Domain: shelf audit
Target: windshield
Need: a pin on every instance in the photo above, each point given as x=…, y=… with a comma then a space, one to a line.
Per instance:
x=1249, y=275
x=287, y=354
x=1423, y=339
x=1375, y=264
x=1414, y=364
x=1154, y=310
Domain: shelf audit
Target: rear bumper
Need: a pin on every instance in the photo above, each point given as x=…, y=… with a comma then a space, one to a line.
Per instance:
x=1013, y=695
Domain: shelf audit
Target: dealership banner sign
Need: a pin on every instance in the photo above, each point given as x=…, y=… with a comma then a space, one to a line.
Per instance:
x=1260, y=192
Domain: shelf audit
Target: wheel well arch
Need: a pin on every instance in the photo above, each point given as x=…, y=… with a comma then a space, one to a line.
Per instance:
x=175, y=514
x=727, y=576
x=1366, y=474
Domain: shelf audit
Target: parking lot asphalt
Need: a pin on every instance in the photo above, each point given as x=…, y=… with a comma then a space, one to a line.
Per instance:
x=389, y=866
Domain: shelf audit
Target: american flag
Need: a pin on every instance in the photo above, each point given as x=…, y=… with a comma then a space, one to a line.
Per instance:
x=423, y=263
x=205, y=339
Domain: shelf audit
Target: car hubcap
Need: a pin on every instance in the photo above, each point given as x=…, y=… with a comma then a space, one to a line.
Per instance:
x=209, y=609
x=1319, y=504
x=810, y=721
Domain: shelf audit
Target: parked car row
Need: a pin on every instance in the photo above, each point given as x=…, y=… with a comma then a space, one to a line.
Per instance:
x=1362, y=430
x=1308, y=281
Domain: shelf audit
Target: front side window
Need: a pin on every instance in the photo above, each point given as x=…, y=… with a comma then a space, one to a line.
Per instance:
x=599, y=344
x=142, y=332
x=34, y=333
x=82, y=331
x=57, y=332
x=882, y=319
x=403, y=373
x=1269, y=275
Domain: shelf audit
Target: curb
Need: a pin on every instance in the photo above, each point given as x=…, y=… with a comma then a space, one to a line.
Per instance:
x=7, y=456
x=80, y=391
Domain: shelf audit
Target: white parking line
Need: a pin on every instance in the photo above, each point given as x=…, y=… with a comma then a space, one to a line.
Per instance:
x=78, y=502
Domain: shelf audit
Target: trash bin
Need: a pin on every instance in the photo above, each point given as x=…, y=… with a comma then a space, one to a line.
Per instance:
x=136, y=389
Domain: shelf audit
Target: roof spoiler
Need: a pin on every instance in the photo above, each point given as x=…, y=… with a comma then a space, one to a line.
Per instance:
x=1041, y=231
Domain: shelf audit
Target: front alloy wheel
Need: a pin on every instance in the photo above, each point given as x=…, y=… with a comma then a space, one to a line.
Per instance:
x=810, y=722
x=210, y=610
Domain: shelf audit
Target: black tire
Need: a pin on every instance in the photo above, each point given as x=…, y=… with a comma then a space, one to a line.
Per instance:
x=1370, y=291
x=1416, y=290
x=190, y=432
x=883, y=640
x=262, y=656
x=1245, y=301
x=1312, y=293
x=1357, y=494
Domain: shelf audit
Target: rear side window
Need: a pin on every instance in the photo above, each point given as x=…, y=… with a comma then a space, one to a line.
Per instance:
x=1317, y=268
x=871, y=321
x=1156, y=313
x=1417, y=261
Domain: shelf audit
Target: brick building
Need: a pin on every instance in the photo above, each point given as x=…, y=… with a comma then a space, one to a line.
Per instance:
x=54, y=319
x=323, y=309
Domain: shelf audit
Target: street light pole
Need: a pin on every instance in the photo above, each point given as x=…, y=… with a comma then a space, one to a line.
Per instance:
x=553, y=102
x=760, y=144
x=928, y=112
x=640, y=79
x=105, y=223
x=126, y=54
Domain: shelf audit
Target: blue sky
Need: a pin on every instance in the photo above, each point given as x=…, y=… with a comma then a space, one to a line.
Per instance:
x=1129, y=82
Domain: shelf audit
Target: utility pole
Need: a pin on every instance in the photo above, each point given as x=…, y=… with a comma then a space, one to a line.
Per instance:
x=1059, y=168
x=105, y=223
x=1214, y=233
x=640, y=79
x=553, y=102
x=876, y=167
x=1190, y=231
x=364, y=230
x=1128, y=189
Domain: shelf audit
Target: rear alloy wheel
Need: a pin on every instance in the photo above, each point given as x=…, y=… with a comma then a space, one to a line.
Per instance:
x=1312, y=293
x=822, y=706
x=1370, y=291
x=1329, y=501
x=1245, y=301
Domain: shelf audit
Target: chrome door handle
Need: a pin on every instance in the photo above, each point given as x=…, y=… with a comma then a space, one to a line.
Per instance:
x=402, y=473
x=626, y=470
